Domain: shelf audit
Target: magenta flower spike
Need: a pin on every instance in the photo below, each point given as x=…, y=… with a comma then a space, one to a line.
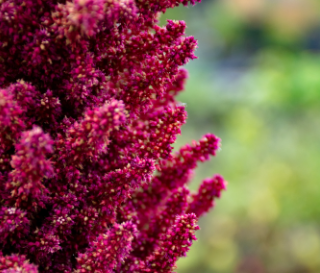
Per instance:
x=89, y=181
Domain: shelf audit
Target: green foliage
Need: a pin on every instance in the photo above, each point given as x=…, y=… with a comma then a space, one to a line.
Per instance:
x=269, y=122
x=266, y=111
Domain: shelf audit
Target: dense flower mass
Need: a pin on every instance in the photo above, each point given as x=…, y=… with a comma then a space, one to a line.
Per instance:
x=88, y=178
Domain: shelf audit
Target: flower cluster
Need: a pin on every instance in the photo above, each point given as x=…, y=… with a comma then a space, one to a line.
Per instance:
x=88, y=178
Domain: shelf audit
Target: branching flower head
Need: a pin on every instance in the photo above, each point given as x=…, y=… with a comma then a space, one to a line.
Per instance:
x=89, y=181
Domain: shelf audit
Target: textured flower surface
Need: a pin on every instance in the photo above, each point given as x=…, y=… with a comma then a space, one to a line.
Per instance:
x=88, y=178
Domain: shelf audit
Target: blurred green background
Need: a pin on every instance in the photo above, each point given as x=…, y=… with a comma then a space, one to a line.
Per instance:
x=256, y=85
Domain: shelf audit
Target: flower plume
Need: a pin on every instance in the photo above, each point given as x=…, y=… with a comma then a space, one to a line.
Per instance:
x=89, y=181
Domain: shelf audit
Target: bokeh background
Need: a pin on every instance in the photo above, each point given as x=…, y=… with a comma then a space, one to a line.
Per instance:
x=256, y=85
